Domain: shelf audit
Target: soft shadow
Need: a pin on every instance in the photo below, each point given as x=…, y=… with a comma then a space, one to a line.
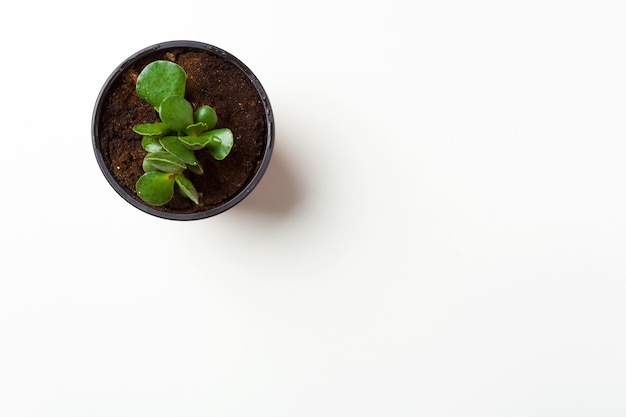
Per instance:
x=278, y=195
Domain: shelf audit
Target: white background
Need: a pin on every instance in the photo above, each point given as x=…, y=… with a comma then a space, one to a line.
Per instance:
x=441, y=231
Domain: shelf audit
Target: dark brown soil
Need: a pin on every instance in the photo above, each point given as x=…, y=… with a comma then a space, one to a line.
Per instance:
x=211, y=80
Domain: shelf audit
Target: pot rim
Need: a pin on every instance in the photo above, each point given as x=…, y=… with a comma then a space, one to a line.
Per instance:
x=235, y=199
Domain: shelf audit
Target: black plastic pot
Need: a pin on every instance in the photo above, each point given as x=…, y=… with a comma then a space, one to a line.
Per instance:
x=106, y=91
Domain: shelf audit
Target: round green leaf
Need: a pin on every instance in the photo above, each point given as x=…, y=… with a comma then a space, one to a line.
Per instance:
x=206, y=114
x=195, y=142
x=220, y=143
x=151, y=144
x=176, y=112
x=161, y=79
x=147, y=166
x=156, y=188
x=176, y=148
x=196, y=128
x=186, y=188
x=165, y=161
x=151, y=129
x=196, y=169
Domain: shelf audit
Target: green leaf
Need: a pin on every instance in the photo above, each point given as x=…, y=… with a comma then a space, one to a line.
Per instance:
x=159, y=80
x=195, y=142
x=176, y=112
x=165, y=161
x=156, y=188
x=196, y=128
x=151, y=144
x=206, y=114
x=220, y=144
x=186, y=188
x=176, y=148
x=151, y=129
x=196, y=169
x=147, y=166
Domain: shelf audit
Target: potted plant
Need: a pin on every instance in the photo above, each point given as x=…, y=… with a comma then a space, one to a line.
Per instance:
x=183, y=130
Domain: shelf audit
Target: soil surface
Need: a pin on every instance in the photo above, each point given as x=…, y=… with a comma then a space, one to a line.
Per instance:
x=211, y=80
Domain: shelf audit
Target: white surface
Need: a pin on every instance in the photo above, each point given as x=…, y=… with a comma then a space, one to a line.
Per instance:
x=441, y=231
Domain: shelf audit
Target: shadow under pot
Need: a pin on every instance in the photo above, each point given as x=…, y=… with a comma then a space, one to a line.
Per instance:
x=183, y=130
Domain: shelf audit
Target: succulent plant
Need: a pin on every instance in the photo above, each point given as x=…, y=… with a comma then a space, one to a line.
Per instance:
x=172, y=142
